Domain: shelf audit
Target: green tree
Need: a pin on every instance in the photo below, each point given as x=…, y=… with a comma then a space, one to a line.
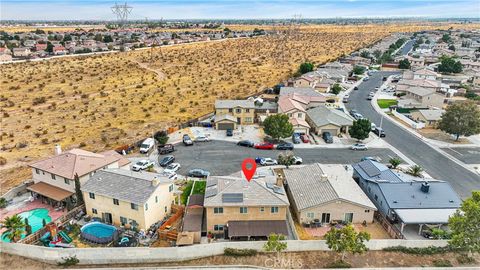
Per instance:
x=358, y=70
x=404, y=64
x=286, y=159
x=461, y=119
x=78, y=192
x=377, y=53
x=449, y=65
x=305, y=67
x=28, y=228
x=465, y=225
x=161, y=137
x=346, y=240
x=14, y=226
x=415, y=170
x=360, y=129
x=107, y=39
x=3, y=202
x=336, y=88
x=365, y=54
x=451, y=47
x=275, y=243
x=446, y=38
x=49, y=47
x=395, y=162
x=277, y=126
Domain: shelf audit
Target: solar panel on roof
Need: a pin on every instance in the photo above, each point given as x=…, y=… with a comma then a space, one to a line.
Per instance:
x=232, y=197
x=278, y=190
x=212, y=182
x=210, y=192
x=370, y=168
x=269, y=185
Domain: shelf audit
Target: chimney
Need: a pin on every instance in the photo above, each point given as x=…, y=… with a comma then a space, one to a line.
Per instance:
x=425, y=187
x=279, y=181
x=58, y=149
x=155, y=182
x=323, y=177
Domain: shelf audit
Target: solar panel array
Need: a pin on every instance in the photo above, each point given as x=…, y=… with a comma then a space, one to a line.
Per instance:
x=212, y=182
x=232, y=197
x=369, y=168
x=210, y=192
x=278, y=190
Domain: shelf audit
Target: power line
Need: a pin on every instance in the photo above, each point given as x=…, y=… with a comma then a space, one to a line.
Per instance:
x=122, y=11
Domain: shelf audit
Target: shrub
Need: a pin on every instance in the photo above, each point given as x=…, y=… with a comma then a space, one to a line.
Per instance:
x=69, y=261
x=237, y=252
x=3, y=203
x=465, y=259
x=420, y=251
x=3, y=161
x=442, y=263
x=338, y=264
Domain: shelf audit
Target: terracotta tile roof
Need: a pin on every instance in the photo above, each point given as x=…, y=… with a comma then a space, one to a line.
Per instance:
x=286, y=103
x=75, y=161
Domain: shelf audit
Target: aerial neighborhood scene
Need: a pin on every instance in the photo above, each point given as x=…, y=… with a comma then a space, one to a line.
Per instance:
x=247, y=134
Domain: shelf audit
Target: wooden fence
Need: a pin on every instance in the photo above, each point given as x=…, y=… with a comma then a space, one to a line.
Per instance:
x=393, y=231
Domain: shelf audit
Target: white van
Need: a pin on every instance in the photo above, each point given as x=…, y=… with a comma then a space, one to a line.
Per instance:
x=147, y=145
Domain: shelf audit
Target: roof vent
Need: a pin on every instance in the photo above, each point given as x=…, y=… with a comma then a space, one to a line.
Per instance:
x=425, y=187
x=155, y=182
x=395, y=202
x=323, y=177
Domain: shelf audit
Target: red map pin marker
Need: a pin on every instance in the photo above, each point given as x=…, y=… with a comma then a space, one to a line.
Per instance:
x=248, y=167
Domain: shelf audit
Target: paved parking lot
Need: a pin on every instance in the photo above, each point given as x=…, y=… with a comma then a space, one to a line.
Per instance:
x=468, y=155
x=223, y=158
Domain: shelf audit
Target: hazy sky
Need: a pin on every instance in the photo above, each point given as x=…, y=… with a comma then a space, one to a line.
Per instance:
x=236, y=9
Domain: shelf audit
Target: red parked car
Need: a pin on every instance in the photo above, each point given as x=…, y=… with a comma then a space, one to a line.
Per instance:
x=305, y=138
x=264, y=146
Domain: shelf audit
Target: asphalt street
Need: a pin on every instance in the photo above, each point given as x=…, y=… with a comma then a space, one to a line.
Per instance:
x=406, y=49
x=224, y=158
x=434, y=163
x=468, y=155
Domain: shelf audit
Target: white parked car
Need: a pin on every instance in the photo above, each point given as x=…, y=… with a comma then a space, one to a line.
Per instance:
x=170, y=175
x=147, y=145
x=202, y=139
x=359, y=146
x=142, y=165
x=172, y=168
x=297, y=160
x=268, y=162
x=346, y=96
x=373, y=126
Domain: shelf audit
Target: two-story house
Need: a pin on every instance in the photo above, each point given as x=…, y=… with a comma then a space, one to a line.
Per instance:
x=230, y=113
x=128, y=198
x=295, y=108
x=239, y=209
x=54, y=177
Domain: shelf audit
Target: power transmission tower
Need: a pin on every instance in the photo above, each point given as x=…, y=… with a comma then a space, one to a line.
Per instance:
x=287, y=33
x=122, y=11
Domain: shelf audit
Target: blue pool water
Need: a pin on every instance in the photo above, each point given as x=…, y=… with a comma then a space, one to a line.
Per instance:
x=35, y=219
x=98, y=230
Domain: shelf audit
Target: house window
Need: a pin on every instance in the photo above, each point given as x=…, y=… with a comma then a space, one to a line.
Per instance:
x=274, y=209
x=218, y=227
x=325, y=217
x=230, y=110
x=243, y=210
x=53, y=176
x=300, y=115
x=133, y=206
x=115, y=201
x=238, y=110
x=146, y=206
x=247, y=110
x=262, y=209
x=170, y=188
x=376, y=197
x=66, y=181
x=218, y=210
x=94, y=211
x=248, y=119
x=156, y=199
x=349, y=217
x=91, y=195
x=37, y=171
x=123, y=221
x=289, y=115
x=310, y=215
x=367, y=211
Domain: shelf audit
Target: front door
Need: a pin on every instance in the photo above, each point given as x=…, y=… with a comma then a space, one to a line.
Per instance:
x=239, y=120
x=325, y=217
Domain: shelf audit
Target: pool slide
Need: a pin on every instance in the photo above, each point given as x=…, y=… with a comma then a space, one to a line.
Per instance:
x=65, y=237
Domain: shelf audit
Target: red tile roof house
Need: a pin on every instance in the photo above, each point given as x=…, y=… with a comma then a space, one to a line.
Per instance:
x=40, y=47
x=59, y=50
x=54, y=177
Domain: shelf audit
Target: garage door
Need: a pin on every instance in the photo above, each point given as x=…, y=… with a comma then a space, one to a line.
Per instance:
x=225, y=126
x=332, y=131
x=300, y=130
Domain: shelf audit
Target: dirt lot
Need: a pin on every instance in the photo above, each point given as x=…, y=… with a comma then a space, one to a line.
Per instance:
x=316, y=259
x=99, y=102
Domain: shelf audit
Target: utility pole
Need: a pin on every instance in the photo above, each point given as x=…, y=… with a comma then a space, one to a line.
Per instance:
x=121, y=11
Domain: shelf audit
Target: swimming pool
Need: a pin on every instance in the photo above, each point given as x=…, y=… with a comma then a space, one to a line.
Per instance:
x=35, y=219
x=98, y=232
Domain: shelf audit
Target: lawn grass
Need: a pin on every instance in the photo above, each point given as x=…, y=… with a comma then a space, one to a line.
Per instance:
x=386, y=103
x=186, y=192
x=199, y=187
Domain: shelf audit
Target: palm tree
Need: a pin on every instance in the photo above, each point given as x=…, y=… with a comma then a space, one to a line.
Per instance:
x=286, y=159
x=415, y=170
x=395, y=162
x=14, y=225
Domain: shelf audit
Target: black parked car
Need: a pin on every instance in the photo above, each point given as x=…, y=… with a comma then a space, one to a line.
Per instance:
x=246, y=143
x=296, y=138
x=379, y=131
x=229, y=132
x=285, y=146
x=165, y=161
x=166, y=148
x=327, y=137
x=198, y=173
x=355, y=88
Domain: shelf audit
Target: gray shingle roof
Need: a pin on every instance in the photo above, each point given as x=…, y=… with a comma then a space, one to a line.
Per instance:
x=407, y=195
x=317, y=184
x=255, y=192
x=228, y=104
x=322, y=116
x=124, y=185
x=303, y=91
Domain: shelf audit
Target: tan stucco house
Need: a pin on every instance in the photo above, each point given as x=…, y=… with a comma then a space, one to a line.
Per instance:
x=322, y=193
x=322, y=119
x=429, y=117
x=238, y=209
x=230, y=113
x=420, y=97
x=128, y=198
